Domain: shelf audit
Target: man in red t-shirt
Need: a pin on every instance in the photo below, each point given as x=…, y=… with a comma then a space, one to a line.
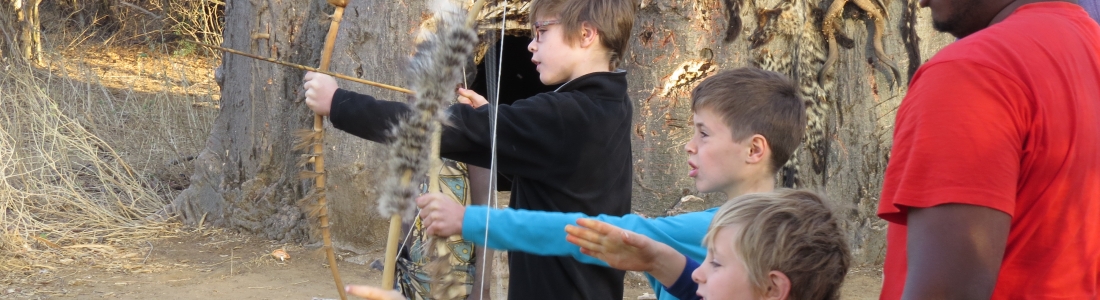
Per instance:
x=993, y=186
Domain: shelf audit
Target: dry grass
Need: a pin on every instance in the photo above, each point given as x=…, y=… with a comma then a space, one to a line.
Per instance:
x=92, y=146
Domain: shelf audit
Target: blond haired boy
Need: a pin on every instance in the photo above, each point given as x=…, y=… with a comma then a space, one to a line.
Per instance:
x=778, y=245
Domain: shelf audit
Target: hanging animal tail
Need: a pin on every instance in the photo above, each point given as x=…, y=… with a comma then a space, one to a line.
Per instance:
x=435, y=70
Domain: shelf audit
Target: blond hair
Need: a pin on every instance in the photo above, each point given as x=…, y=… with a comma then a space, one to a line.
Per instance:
x=791, y=231
x=613, y=19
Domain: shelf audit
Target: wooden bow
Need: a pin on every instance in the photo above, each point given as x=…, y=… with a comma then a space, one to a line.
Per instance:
x=318, y=150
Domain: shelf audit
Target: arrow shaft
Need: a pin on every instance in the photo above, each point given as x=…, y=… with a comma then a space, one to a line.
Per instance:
x=312, y=69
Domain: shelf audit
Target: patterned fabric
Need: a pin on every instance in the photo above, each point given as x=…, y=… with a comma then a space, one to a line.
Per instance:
x=412, y=276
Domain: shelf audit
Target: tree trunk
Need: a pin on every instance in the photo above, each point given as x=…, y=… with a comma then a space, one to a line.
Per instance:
x=246, y=178
x=7, y=32
x=858, y=124
x=374, y=43
x=30, y=40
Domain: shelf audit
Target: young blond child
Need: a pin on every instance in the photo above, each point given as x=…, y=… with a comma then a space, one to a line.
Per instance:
x=778, y=245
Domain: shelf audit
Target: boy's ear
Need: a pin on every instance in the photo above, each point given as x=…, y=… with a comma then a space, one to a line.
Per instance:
x=758, y=149
x=589, y=35
x=779, y=286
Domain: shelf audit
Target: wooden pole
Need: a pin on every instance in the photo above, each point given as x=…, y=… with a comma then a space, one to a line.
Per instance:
x=390, y=265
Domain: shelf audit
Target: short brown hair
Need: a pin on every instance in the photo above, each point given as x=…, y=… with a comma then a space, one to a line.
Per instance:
x=791, y=231
x=754, y=101
x=613, y=19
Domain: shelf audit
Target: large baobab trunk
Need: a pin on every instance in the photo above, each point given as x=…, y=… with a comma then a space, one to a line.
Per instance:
x=677, y=43
x=247, y=178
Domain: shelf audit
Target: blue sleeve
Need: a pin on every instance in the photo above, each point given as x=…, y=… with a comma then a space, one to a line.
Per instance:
x=543, y=232
x=685, y=287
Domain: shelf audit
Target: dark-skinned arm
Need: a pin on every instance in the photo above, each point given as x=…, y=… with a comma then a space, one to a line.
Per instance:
x=954, y=251
x=479, y=195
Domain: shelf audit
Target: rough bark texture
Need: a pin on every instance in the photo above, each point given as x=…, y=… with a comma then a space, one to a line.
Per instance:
x=374, y=43
x=247, y=179
x=29, y=37
x=247, y=176
x=671, y=35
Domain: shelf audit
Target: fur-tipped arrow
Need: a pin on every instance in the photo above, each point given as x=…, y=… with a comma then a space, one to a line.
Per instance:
x=434, y=71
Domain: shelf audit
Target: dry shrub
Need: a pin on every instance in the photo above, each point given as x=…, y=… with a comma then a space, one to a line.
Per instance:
x=164, y=24
x=90, y=153
x=201, y=20
x=60, y=185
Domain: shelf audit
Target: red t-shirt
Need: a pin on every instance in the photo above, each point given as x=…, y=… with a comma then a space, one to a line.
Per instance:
x=1008, y=118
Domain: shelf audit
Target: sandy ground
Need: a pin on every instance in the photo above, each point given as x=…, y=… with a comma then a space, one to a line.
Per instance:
x=213, y=264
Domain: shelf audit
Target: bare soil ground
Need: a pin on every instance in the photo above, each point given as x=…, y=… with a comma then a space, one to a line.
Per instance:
x=208, y=264
x=214, y=264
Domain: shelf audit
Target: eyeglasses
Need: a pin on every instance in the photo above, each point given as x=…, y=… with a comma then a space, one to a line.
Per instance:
x=539, y=28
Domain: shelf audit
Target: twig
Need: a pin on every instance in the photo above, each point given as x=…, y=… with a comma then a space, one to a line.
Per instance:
x=140, y=9
x=148, y=254
x=202, y=220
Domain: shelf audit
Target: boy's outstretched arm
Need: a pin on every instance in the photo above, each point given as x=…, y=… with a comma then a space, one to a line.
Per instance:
x=541, y=232
x=625, y=250
x=357, y=114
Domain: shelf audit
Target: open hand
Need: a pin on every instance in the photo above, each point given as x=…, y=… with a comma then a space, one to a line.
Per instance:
x=373, y=293
x=319, y=89
x=620, y=248
x=470, y=97
x=626, y=250
x=440, y=215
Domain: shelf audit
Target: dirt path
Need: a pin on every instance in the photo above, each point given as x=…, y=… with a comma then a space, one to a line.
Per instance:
x=209, y=265
x=219, y=265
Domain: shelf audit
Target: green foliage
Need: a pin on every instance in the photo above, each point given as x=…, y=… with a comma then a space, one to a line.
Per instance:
x=184, y=48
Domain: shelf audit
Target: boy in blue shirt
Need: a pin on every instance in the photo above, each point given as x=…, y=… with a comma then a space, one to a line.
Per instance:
x=747, y=124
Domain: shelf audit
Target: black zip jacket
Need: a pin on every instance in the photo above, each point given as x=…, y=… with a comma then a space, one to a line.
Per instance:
x=567, y=151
